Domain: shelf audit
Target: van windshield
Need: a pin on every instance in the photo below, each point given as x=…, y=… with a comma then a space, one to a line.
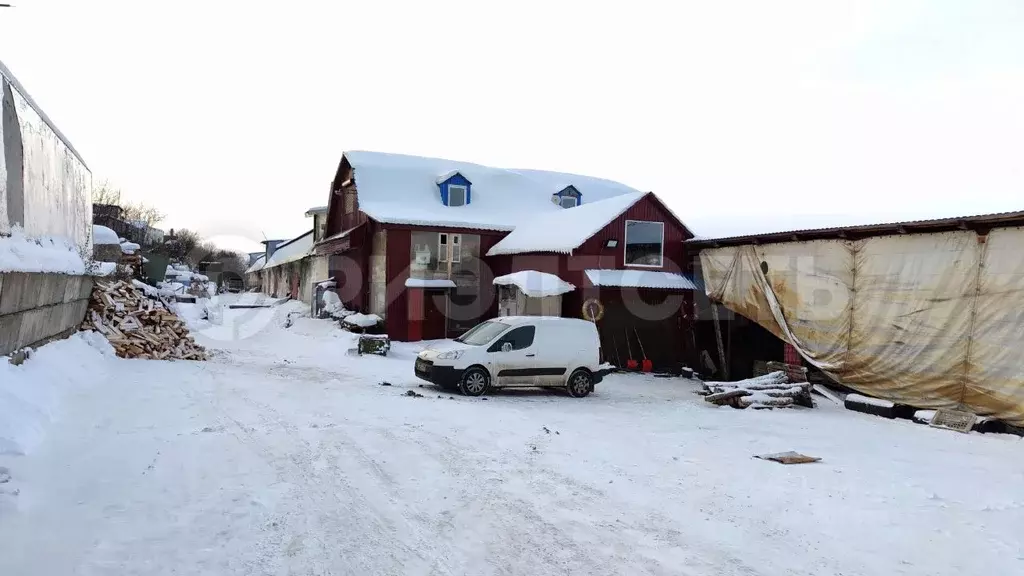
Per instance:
x=482, y=333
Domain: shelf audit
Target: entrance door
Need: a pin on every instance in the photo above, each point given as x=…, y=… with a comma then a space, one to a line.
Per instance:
x=434, y=321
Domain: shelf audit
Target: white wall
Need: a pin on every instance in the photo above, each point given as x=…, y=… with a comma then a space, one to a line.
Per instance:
x=56, y=185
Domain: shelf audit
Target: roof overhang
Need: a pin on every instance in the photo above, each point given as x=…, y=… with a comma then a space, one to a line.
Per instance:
x=981, y=223
x=652, y=279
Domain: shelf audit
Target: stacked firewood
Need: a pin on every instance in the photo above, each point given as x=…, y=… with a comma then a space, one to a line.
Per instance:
x=132, y=264
x=139, y=325
x=774, y=390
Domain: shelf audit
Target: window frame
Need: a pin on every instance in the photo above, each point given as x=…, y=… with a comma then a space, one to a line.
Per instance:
x=503, y=337
x=465, y=194
x=625, y=245
x=443, y=254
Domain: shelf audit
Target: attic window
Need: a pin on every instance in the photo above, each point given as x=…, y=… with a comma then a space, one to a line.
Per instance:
x=456, y=195
x=568, y=197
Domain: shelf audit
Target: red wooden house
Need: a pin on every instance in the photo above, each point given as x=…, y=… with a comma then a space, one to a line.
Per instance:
x=419, y=241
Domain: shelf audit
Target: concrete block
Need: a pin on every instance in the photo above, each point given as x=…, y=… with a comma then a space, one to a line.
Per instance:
x=49, y=287
x=17, y=295
x=33, y=325
x=85, y=288
x=72, y=288
x=72, y=313
x=10, y=329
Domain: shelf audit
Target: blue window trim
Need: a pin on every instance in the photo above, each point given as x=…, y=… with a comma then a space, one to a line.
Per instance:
x=570, y=191
x=456, y=179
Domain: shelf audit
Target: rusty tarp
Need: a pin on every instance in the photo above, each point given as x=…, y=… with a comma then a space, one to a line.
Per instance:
x=930, y=320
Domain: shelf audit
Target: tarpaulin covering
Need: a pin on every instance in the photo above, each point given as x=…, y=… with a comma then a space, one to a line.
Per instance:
x=929, y=320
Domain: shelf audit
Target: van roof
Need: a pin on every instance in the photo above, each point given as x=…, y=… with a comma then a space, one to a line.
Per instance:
x=516, y=320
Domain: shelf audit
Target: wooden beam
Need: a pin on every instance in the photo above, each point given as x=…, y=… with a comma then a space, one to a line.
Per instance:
x=721, y=348
x=901, y=229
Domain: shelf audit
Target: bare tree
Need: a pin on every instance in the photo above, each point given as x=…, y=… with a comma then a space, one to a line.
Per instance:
x=139, y=212
x=132, y=212
x=104, y=193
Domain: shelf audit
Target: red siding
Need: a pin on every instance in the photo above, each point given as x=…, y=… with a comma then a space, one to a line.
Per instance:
x=648, y=208
x=399, y=253
x=337, y=220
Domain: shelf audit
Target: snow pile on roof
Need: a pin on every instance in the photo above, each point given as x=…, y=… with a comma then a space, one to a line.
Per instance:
x=101, y=235
x=424, y=283
x=31, y=393
x=565, y=229
x=101, y=268
x=399, y=189
x=362, y=320
x=316, y=210
x=18, y=253
x=535, y=284
x=129, y=247
x=257, y=265
x=640, y=279
x=295, y=249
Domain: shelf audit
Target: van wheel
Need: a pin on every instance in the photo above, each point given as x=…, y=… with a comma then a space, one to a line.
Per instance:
x=475, y=382
x=580, y=383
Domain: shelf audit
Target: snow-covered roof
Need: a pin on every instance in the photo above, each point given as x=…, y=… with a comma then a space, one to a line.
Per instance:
x=564, y=229
x=316, y=210
x=640, y=279
x=423, y=283
x=535, y=284
x=129, y=247
x=257, y=264
x=101, y=235
x=745, y=226
x=296, y=249
x=399, y=189
x=447, y=175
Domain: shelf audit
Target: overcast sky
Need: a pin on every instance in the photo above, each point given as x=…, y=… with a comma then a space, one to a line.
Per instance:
x=231, y=116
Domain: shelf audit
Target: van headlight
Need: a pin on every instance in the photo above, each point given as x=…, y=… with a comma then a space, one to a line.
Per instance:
x=450, y=355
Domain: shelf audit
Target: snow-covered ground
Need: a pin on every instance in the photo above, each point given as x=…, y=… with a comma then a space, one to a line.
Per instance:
x=285, y=455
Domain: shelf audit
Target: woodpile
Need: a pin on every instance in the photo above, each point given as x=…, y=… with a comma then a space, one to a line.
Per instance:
x=139, y=325
x=773, y=390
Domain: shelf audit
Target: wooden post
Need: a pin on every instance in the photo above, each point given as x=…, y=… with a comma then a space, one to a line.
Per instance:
x=718, y=337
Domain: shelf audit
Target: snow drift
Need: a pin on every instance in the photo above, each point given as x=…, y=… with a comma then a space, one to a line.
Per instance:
x=30, y=394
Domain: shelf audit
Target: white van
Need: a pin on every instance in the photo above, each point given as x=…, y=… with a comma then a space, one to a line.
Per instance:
x=518, y=351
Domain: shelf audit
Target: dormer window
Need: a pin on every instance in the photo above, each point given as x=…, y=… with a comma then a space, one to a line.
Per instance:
x=568, y=197
x=456, y=189
x=456, y=195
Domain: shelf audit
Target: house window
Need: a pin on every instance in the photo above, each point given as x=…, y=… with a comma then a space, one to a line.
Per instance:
x=449, y=247
x=645, y=243
x=456, y=195
x=567, y=202
x=350, y=202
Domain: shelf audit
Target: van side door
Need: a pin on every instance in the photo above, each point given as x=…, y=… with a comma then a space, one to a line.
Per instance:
x=553, y=341
x=513, y=357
